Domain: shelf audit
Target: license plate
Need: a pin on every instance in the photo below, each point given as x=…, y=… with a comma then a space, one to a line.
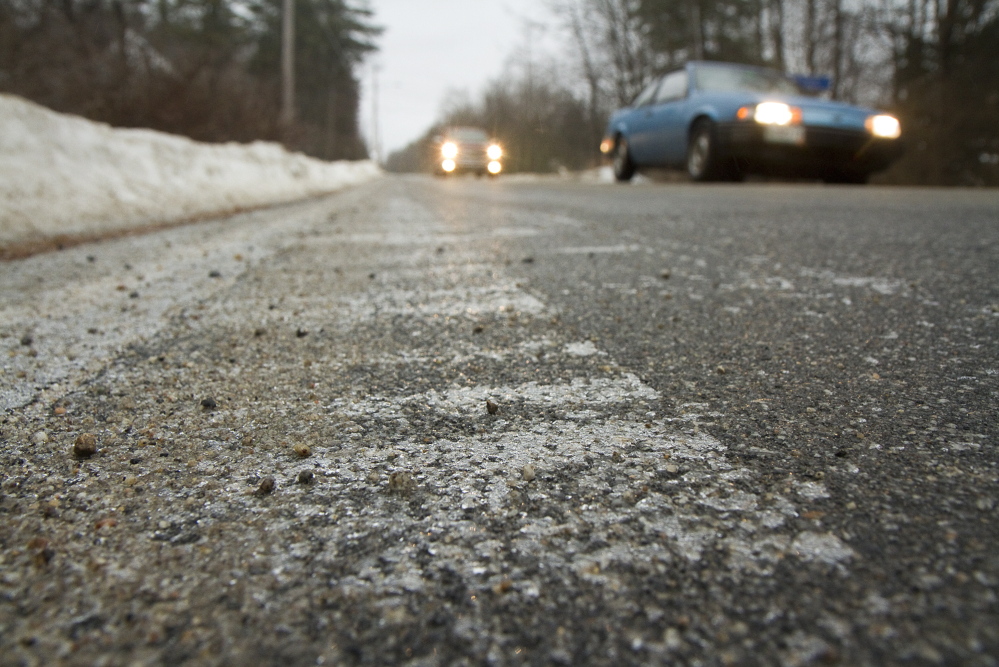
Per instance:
x=784, y=134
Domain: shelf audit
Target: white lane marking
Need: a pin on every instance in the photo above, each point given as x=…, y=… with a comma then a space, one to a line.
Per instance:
x=885, y=286
x=465, y=301
x=824, y=547
x=702, y=501
x=470, y=400
x=582, y=349
x=600, y=249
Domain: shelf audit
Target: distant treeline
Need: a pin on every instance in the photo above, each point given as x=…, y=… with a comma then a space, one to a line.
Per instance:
x=933, y=62
x=207, y=69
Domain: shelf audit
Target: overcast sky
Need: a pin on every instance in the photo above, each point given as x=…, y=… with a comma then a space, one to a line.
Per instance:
x=431, y=47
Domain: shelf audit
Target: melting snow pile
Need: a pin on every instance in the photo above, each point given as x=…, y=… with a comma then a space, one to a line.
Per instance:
x=65, y=175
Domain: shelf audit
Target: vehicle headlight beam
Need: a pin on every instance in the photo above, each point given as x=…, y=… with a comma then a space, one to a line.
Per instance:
x=884, y=126
x=772, y=113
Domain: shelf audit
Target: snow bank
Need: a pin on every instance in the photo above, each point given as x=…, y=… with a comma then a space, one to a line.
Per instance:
x=65, y=176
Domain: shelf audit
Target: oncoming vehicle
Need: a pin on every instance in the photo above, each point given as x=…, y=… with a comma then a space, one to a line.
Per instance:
x=720, y=121
x=467, y=149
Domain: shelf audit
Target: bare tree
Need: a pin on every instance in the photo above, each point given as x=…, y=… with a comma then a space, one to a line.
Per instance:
x=609, y=38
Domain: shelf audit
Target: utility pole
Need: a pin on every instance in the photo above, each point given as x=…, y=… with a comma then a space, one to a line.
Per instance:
x=287, y=66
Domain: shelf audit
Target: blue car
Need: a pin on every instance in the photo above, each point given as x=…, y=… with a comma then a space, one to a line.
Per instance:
x=721, y=121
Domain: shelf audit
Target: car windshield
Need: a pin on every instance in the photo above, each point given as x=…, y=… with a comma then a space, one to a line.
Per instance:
x=468, y=135
x=743, y=79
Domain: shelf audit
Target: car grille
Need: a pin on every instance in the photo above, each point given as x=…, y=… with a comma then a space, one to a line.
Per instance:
x=471, y=154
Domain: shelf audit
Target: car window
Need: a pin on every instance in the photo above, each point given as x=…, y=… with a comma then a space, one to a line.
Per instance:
x=646, y=95
x=674, y=87
x=724, y=79
x=468, y=134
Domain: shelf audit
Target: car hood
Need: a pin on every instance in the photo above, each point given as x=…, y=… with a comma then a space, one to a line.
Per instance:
x=817, y=112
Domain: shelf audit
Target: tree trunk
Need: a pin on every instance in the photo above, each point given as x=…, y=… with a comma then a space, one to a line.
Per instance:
x=810, y=45
x=777, y=32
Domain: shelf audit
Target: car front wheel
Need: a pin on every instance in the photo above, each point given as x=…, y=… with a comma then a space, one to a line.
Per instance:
x=624, y=167
x=705, y=161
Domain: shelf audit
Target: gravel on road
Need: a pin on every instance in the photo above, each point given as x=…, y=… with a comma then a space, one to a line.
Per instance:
x=461, y=422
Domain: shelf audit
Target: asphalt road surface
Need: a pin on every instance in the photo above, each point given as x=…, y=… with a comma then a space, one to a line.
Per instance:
x=470, y=422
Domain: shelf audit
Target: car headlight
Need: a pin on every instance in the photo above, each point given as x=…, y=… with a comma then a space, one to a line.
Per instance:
x=771, y=113
x=494, y=167
x=449, y=150
x=494, y=152
x=884, y=126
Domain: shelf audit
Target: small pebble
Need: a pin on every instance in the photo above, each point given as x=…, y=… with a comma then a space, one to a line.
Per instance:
x=666, y=274
x=502, y=587
x=301, y=333
x=43, y=557
x=209, y=403
x=720, y=370
x=302, y=450
x=85, y=445
x=26, y=340
x=528, y=472
x=306, y=477
x=401, y=482
x=214, y=274
x=267, y=486
x=672, y=468
x=616, y=457
x=40, y=438
x=491, y=407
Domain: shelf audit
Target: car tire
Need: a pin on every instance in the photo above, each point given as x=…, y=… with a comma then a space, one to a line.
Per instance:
x=705, y=160
x=624, y=166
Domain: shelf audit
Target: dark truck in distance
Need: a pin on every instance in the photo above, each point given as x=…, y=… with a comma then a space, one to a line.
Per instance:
x=466, y=149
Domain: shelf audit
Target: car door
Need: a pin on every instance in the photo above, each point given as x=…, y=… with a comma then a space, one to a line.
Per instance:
x=667, y=119
x=641, y=127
